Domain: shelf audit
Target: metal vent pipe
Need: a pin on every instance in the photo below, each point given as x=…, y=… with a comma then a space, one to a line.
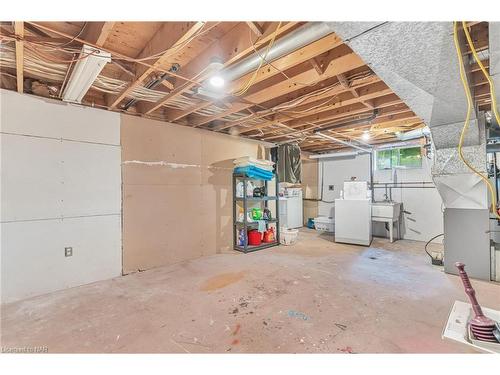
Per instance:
x=304, y=35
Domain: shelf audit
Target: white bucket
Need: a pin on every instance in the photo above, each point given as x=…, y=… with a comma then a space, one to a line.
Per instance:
x=288, y=236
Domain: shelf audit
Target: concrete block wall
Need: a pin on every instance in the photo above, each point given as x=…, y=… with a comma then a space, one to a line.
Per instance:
x=60, y=187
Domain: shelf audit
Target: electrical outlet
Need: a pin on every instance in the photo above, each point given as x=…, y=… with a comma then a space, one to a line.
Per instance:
x=68, y=251
x=331, y=187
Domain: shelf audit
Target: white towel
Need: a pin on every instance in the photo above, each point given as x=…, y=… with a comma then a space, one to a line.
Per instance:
x=253, y=161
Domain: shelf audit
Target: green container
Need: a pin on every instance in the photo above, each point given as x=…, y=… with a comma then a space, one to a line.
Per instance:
x=256, y=213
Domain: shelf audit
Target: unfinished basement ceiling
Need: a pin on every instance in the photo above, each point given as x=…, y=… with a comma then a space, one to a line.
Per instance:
x=320, y=85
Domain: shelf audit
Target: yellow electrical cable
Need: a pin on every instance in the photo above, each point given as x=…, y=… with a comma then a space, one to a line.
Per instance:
x=250, y=82
x=492, y=86
x=467, y=121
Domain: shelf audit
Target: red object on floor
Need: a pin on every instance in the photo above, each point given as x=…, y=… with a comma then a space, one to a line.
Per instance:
x=269, y=235
x=254, y=237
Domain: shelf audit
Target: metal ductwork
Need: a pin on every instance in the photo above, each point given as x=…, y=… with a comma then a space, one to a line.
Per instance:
x=418, y=61
x=414, y=134
x=304, y=35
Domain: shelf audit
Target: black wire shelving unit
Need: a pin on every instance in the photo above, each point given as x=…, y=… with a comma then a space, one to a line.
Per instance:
x=245, y=224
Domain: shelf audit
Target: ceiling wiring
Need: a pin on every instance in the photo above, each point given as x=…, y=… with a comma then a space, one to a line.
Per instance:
x=485, y=73
x=52, y=62
x=251, y=80
x=56, y=72
x=76, y=36
x=467, y=121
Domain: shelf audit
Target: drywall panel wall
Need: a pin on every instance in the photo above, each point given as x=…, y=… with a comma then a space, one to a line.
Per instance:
x=57, y=192
x=91, y=179
x=30, y=116
x=161, y=224
x=424, y=218
x=31, y=178
x=177, y=191
x=33, y=260
x=52, y=178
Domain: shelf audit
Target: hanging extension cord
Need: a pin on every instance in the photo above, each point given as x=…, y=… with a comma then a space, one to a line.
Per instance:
x=434, y=261
x=485, y=73
x=467, y=118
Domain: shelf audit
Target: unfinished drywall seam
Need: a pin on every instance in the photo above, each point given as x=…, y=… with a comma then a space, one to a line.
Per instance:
x=177, y=191
x=172, y=165
x=60, y=188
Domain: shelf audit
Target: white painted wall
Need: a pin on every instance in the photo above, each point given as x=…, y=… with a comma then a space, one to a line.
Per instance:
x=425, y=219
x=335, y=172
x=60, y=187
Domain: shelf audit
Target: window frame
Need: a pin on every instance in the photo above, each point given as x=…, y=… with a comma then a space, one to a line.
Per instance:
x=398, y=158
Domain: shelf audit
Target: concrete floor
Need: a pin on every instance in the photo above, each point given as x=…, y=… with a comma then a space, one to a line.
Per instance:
x=315, y=296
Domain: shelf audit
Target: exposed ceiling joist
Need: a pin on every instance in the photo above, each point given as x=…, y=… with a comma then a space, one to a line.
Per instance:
x=19, y=31
x=98, y=32
x=347, y=115
x=309, y=77
x=311, y=110
x=315, y=86
x=168, y=40
x=311, y=99
x=230, y=48
x=256, y=28
x=381, y=122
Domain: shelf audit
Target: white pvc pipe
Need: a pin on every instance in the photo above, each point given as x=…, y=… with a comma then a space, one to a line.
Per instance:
x=349, y=144
x=332, y=155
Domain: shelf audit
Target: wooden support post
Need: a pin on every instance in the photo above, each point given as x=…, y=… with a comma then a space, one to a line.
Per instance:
x=256, y=29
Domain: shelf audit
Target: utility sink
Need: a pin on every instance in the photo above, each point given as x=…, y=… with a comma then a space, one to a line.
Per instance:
x=386, y=210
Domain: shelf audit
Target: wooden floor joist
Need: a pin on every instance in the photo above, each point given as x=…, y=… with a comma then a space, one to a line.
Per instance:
x=233, y=46
x=19, y=31
x=167, y=41
x=315, y=86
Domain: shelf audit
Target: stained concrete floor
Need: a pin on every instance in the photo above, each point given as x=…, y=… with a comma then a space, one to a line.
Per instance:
x=313, y=297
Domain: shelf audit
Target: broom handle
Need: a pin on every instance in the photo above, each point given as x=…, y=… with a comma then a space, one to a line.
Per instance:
x=469, y=290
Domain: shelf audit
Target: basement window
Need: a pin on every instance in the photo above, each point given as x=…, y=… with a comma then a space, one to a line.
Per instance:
x=405, y=157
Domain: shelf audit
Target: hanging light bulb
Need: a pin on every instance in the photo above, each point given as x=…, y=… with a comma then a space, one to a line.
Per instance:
x=217, y=81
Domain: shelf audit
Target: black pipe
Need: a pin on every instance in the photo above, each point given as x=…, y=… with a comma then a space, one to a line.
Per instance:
x=154, y=83
x=351, y=122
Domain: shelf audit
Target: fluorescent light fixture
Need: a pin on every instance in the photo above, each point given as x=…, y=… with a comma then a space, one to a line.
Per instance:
x=366, y=135
x=90, y=64
x=205, y=93
x=217, y=81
